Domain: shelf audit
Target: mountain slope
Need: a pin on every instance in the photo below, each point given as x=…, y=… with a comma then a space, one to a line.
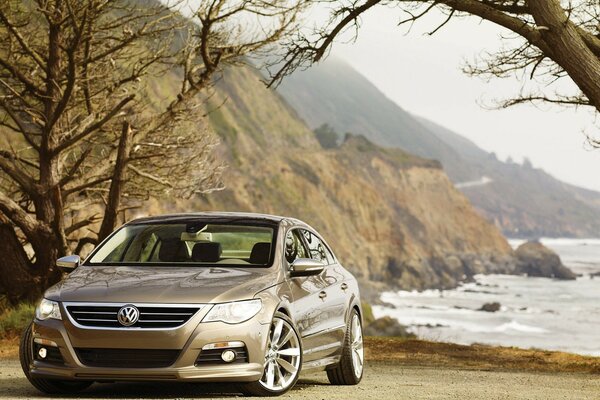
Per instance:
x=392, y=217
x=520, y=200
x=336, y=94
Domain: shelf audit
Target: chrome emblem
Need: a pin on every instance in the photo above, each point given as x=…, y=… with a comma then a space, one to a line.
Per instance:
x=128, y=315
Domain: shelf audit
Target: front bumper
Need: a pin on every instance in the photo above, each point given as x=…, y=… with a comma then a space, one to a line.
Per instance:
x=188, y=339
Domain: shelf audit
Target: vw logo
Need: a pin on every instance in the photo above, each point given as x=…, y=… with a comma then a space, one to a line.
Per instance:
x=128, y=315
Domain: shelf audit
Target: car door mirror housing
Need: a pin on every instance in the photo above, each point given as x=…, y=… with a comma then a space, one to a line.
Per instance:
x=68, y=263
x=306, y=267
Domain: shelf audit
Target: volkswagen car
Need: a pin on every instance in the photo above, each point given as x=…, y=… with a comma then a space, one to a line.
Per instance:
x=203, y=297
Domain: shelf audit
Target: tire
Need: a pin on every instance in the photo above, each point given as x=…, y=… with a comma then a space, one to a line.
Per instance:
x=48, y=386
x=283, y=360
x=349, y=371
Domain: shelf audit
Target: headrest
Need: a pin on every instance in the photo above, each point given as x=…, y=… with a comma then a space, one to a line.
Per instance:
x=206, y=252
x=260, y=253
x=172, y=250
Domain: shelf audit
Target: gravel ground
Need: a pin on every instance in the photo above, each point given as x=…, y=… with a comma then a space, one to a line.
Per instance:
x=382, y=381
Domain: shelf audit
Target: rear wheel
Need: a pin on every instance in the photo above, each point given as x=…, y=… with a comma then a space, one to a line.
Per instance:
x=283, y=359
x=49, y=386
x=349, y=371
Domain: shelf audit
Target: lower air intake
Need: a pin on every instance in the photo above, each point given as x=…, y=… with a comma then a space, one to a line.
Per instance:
x=127, y=358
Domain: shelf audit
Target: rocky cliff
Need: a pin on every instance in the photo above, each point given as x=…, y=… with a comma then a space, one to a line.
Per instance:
x=393, y=218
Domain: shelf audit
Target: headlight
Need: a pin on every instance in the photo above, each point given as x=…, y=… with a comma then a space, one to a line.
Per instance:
x=47, y=309
x=235, y=312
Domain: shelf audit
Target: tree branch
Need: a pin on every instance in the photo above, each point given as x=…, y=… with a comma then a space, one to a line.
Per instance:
x=70, y=141
x=20, y=124
x=26, y=222
x=26, y=182
x=24, y=45
x=15, y=72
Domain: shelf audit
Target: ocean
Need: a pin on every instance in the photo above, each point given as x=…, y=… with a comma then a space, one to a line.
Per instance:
x=536, y=313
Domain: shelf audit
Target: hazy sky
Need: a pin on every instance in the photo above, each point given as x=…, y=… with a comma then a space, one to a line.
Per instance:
x=423, y=75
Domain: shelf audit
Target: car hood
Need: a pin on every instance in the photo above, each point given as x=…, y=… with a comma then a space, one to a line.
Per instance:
x=163, y=284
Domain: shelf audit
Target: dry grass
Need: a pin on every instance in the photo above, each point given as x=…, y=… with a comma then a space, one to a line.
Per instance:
x=480, y=357
x=9, y=348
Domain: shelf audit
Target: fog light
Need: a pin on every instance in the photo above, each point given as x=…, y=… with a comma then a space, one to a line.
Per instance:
x=42, y=352
x=228, y=356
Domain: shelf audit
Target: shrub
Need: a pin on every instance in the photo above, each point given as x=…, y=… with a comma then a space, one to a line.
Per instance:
x=14, y=320
x=367, y=313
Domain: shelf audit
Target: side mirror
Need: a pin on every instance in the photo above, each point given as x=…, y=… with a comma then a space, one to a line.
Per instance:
x=68, y=263
x=306, y=267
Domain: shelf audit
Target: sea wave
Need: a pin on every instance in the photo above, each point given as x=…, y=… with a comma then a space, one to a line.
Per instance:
x=534, y=312
x=519, y=327
x=513, y=326
x=559, y=242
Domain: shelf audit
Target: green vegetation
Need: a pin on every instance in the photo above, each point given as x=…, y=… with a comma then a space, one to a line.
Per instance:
x=14, y=320
x=367, y=311
x=360, y=146
x=327, y=136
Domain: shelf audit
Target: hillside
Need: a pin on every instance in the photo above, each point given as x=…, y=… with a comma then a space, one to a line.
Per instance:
x=520, y=200
x=395, y=219
x=336, y=94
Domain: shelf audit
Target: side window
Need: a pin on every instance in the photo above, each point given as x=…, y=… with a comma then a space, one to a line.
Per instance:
x=294, y=248
x=316, y=248
x=330, y=257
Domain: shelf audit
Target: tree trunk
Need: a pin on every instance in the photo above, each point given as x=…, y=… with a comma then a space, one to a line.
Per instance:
x=17, y=281
x=116, y=185
x=569, y=50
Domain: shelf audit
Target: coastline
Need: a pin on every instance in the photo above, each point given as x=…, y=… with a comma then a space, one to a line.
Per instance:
x=532, y=312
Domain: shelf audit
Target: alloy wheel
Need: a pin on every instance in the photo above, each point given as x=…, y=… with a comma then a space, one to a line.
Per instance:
x=282, y=360
x=358, y=352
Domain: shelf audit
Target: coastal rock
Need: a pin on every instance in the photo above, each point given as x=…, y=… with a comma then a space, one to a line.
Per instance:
x=535, y=259
x=387, y=326
x=490, y=307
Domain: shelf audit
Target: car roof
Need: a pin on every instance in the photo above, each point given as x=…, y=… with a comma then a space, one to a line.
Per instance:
x=210, y=215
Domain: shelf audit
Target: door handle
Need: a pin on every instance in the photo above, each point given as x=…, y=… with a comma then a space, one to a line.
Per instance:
x=344, y=286
x=322, y=295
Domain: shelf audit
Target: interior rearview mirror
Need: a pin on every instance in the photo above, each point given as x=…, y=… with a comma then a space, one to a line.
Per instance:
x=68, y=263
x=306, y=267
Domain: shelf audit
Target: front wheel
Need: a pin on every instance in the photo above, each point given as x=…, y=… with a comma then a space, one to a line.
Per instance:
x=283, y=359
x=349, y=371
x=48, y=386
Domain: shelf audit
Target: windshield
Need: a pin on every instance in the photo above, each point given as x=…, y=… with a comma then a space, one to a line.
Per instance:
x=194, y=243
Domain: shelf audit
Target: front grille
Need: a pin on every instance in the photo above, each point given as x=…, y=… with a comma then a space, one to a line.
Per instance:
x=105, y=316
x=213, y=356
x=127, y=358
x=53, y=355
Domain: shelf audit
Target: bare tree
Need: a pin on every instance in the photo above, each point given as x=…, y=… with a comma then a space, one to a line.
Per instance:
x=82, y=134
x=552, y=40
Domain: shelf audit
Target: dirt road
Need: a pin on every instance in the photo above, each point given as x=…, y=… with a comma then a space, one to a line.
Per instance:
x=383, y=380
x=396, y=369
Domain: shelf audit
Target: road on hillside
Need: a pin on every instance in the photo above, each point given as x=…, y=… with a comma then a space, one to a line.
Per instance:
x=382, y=381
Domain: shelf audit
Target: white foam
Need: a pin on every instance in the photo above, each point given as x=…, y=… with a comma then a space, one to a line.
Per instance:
x=559, y=242
x=518, y=327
